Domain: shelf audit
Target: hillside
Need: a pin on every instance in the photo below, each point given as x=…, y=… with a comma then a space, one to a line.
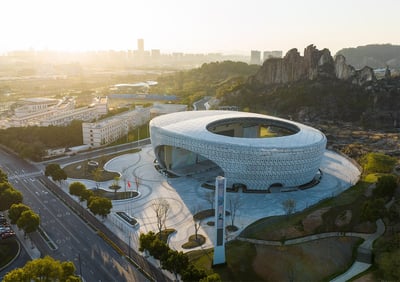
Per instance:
x=208, y=80
x=316, y=87
x=374, y=55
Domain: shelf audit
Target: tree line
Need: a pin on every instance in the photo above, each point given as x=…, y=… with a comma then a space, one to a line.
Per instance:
x=44, y=269
x=208, y=80
x=172, y=260
x=97, y=205
x=32, y=142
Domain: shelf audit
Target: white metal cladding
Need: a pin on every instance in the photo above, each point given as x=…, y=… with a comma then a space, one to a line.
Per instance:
x=258, y=163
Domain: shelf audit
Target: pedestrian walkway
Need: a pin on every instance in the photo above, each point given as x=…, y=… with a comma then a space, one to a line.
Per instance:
x=26, y=242
x=186, y=196
x=357, y=267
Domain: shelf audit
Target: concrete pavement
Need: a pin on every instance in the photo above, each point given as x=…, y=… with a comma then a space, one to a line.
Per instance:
x=186, y=196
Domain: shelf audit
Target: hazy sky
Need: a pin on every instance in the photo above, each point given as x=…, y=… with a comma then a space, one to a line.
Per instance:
x=197, y=25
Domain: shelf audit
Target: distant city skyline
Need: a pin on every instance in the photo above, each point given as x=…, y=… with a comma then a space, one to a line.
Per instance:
x=193, y=26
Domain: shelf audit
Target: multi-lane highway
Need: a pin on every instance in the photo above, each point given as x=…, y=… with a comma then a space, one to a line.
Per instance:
x=74, y=239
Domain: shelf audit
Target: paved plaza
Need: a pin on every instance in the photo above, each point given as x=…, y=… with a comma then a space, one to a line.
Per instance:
x=186, y=196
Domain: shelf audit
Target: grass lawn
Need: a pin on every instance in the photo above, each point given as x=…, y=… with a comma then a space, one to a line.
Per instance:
x=165, y=234
x=373, y=177
x=317, y=260
x=239, y=256
x=193, y=242
x=8, y=250
x=312, y=261
x=80, y=170
x=285, y=227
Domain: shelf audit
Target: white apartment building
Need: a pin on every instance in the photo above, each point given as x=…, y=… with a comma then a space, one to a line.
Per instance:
x=44, y=112
x=96, y=134
x=29, y=106
x=89, y=113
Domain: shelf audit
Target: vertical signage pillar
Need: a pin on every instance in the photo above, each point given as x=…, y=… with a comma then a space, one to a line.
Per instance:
x=219, y=247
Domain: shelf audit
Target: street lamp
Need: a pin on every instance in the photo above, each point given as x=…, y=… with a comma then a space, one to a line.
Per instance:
x=80, y=264
x=129, y=244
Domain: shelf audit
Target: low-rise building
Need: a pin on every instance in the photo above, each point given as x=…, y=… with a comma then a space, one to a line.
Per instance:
x=108, y=130
x=46, y=112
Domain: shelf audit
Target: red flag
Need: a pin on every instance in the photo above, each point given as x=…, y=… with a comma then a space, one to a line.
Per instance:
x=129, y=184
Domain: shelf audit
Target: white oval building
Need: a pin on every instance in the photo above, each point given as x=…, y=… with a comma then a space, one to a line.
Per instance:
x=254, y=150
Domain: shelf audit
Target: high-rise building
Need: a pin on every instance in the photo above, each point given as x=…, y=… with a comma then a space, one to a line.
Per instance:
x=271, y=54
x=140, y=45
x=155, y=53
x=255, y=58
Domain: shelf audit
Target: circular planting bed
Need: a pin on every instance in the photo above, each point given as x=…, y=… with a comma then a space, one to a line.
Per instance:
x=193, y=242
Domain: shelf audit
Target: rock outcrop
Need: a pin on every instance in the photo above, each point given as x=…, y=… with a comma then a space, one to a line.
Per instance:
x=313, y=65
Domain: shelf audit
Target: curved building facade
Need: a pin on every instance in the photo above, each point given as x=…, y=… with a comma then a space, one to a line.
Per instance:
x=256, y=150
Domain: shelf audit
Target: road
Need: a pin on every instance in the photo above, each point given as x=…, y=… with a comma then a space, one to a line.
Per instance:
x=75, y=240
x=97, y=152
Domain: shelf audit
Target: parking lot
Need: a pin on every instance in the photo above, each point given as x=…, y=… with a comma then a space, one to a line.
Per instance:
x=6, y=230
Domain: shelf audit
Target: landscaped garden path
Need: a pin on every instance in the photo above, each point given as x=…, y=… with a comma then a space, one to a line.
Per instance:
x=360, y=265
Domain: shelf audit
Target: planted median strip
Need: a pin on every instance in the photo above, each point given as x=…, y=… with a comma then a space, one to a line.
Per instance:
x=47, y=239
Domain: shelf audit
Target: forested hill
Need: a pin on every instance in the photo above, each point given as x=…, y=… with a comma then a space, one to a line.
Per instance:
x=208, y=80
x=374, y=56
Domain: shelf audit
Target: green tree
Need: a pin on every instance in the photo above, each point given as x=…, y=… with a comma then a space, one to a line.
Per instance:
x=385, y=186
x=115, y=185
x=17, y=274
x=389, y=265
x=192, y=273
x=77, y=188
x=151, y=243
x=28, y=221
x=100, y=206
x=213, y=277
x=15, y=212
x=175, y=262
x=56, y=172
x=86, y=195
x=158, y=249
x=373, y=209
x=9, y=197
x=51, y=169
x=43, y=269
x=68, y=271
x=59, y=175
x=3, y=176
x=4, y=186
x=145, y=241
x=378, y=162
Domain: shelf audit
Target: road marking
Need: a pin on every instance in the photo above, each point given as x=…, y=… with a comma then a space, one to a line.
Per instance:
x=51, y=214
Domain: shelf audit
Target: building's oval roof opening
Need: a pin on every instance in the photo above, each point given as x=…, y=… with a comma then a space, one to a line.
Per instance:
x=252, y=127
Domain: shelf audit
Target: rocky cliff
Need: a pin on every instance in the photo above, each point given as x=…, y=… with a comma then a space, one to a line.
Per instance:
x=313, y=65
x=316, y=87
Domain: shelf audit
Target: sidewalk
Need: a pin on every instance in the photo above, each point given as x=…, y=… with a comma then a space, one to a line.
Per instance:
x=357, y=267
x=27, y=243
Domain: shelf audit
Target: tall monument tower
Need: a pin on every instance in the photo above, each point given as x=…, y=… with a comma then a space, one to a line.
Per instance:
x=220, y=193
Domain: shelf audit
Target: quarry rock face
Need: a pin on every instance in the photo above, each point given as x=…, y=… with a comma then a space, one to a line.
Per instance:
x=313, y=65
